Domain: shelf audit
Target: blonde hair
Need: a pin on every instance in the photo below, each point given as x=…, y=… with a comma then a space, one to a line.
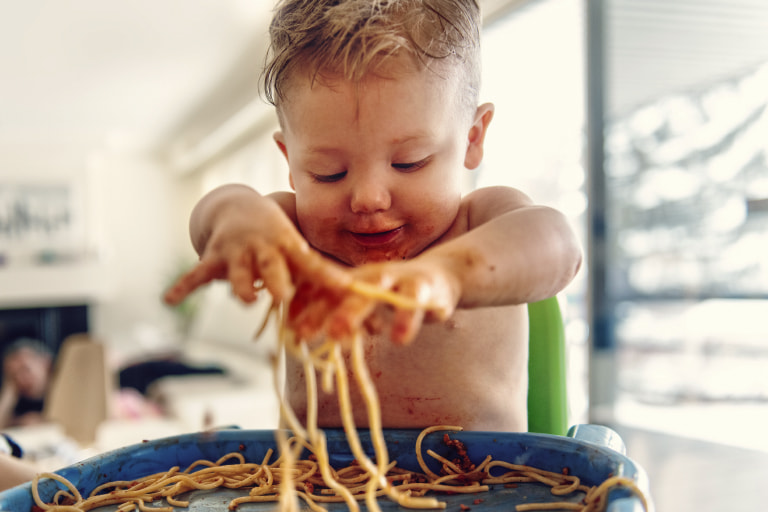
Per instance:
x=353, y=38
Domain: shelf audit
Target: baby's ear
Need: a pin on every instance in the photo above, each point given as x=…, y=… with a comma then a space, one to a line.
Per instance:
x=476, y=137
x=279, y=139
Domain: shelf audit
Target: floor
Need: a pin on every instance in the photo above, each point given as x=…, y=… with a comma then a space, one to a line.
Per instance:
x=694, y=475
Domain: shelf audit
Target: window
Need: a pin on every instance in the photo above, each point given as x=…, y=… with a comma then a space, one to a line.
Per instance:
x=533, y=72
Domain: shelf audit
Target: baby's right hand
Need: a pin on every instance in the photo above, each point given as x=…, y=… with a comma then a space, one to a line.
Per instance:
x=252, y=242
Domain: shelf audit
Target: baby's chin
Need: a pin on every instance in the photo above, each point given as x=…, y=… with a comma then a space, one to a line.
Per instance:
x=373, y=257
x=362, y=257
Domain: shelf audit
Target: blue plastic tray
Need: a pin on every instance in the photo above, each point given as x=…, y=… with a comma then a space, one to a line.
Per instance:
x=592, y=462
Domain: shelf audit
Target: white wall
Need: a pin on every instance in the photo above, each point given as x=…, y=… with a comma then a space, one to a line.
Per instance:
x=138, y=218
x=131, y=217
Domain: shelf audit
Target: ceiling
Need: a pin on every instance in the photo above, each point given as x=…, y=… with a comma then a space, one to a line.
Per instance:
x=122, y=75
x=84, y=75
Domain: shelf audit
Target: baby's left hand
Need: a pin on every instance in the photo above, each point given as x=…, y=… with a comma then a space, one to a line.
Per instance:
x=415, y=291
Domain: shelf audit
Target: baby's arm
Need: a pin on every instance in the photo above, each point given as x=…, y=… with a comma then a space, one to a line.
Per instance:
x=513, y=251
x=243, y=237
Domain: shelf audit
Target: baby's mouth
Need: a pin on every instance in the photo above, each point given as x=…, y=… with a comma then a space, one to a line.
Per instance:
x=378, y=238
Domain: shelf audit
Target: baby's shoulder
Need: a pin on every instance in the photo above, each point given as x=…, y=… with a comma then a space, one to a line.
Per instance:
x=485, y=203
x=481, y=205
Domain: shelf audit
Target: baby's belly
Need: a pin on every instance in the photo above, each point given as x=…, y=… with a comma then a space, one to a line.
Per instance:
x=469, y=372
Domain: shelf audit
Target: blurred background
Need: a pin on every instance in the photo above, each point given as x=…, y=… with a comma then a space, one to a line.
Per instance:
x=645, y=121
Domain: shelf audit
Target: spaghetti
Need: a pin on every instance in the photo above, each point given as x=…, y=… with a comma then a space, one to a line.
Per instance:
x=313, y=480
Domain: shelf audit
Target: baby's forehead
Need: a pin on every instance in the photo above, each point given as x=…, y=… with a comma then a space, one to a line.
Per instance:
x=438, y=78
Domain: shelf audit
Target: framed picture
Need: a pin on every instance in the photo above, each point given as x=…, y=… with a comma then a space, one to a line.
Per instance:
x=41, y=216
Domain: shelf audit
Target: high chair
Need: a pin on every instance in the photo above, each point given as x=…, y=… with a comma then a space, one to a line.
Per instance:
x=547, y=396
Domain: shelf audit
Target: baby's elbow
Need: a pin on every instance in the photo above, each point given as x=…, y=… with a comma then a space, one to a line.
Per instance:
x=572, y=257
x=576, y=261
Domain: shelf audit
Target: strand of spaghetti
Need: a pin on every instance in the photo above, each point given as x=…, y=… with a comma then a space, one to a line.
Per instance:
x=453, y=467
x=420, y=439
x=358, y=475
x=371, y=398
x=327, y=473
x=563, y=489
x=176, y=503
x=615, y=481
x=249, y=480
x=145, y=489
x=152, y=487
x=265, y=486
x=345, y=408
x=488, y=459
x=560, y=484
x=373, y=407
x=555, y=505
x=310, y=501
x=374, y=412
x=520, y=468
x=233, y=455
x=542, y=478
x=260, y=498
x=63, y=508
x=375, y=292
x=316, y=439
x=144, y=508
x=287, y=414
x=323, y=364
x=458, y=489
x=287, y=492
x=263, y=327
x=62, y=495
x=358, y=483
x=288, y=497
x=348, y=422
x=53, y=476
x=311, y=385
x=457, y=478
x=112, y=485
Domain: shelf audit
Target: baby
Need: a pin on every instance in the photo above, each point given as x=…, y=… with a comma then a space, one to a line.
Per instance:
x=379, y=120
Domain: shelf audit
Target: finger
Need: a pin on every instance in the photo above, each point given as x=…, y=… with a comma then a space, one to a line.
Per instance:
x=406, y=325
x=275, y=273
x=241, y=276
x=407, y=322
x=202, y=273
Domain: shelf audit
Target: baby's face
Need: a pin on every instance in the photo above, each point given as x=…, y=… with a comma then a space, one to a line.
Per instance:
x=376, y=167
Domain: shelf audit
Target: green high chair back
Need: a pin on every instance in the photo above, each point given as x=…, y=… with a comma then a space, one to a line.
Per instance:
x=547, y=397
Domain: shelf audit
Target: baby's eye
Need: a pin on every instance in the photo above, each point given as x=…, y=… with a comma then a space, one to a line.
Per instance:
x=329, y=178
x=411, y=166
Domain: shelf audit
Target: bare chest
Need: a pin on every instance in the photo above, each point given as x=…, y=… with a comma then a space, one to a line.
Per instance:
x=470, y=370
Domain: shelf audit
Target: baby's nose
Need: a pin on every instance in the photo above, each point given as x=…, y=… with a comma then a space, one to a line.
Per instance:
x=370, y=195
